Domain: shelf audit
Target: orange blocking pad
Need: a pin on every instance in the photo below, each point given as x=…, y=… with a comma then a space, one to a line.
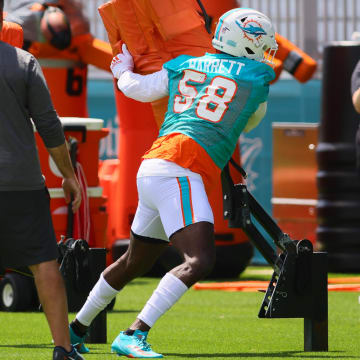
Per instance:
x=88, y=150
x=215, y=9
x=97, y=210
x=296, y=61
x=155, y=31
x=251, y=286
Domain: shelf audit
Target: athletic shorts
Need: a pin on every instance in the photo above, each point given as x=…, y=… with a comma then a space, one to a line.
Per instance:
x=168, y=204
x=27, y=236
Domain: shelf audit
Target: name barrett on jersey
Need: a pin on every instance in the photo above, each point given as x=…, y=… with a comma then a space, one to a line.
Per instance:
x=222, y=66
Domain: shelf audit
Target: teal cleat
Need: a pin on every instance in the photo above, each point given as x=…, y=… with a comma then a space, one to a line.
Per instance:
x=133, y=346
x=78, y=342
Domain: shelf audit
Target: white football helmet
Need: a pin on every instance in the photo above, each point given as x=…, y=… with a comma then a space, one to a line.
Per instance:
x=246, y=32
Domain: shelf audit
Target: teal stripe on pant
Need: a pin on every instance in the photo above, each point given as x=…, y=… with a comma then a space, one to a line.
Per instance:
x=186, y=200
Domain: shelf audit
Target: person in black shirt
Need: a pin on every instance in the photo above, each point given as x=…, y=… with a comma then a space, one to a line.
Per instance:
x=27, y=237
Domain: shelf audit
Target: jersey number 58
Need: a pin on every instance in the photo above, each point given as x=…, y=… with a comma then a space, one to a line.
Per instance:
x=213, y=105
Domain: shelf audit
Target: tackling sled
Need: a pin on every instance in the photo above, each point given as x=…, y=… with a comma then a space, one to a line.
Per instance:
x=298, y=287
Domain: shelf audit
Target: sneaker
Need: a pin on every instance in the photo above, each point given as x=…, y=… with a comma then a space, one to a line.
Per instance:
x=78, y=342
x=133, y=346
x=61, y=354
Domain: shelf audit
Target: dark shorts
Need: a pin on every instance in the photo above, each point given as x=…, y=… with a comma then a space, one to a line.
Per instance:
x=27, y=235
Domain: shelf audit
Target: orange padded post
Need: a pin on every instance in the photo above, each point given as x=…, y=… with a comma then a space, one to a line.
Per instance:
x=294, y=60
x=154, y=31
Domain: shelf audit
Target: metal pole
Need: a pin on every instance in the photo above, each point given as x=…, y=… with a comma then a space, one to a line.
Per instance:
x=316, y=326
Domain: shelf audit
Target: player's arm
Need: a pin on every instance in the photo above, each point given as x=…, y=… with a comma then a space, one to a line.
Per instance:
x=144, y=88
x=256, y=117
x=50, y=129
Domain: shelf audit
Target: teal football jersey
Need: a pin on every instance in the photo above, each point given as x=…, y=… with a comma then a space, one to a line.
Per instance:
x=211, y=99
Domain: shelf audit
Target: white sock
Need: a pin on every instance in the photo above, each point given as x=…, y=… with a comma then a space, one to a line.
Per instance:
x=99, y=297
x=168, y=292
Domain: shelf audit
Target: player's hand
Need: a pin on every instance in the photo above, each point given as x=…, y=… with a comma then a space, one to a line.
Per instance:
x=72, y=192
x=122, y=62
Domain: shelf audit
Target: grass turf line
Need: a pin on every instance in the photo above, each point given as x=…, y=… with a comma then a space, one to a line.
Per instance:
x=203, y=325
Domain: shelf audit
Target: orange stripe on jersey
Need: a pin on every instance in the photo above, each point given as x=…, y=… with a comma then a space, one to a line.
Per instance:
x=186, y=152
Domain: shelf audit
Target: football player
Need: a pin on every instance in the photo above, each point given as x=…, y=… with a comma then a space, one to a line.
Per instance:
x=212, y=99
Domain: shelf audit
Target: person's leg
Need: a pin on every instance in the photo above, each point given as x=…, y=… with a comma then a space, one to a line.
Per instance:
x=196, y=243
x=51, y=290
x=138, y=259
x=147, y=241
x=28, y=239
x=188, y=221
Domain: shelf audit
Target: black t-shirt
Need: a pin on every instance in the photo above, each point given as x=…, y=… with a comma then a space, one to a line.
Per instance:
x=24, y=95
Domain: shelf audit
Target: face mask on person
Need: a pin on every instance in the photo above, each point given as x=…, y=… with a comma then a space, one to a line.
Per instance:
x=60, y=39
x=56, y=28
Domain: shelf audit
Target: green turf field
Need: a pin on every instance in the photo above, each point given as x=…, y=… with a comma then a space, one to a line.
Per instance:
x=204, y=325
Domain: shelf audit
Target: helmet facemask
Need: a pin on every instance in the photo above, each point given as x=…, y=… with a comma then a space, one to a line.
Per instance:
x=269, y=56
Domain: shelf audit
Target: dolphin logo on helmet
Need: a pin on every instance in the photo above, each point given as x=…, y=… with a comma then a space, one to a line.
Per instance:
x=251, y=30
x=246, y=32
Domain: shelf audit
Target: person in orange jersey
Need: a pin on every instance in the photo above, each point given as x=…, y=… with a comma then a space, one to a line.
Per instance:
x=212, y=99
x=58, y=29
x=27, y=237
x=58, y=34
x=41, y=21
